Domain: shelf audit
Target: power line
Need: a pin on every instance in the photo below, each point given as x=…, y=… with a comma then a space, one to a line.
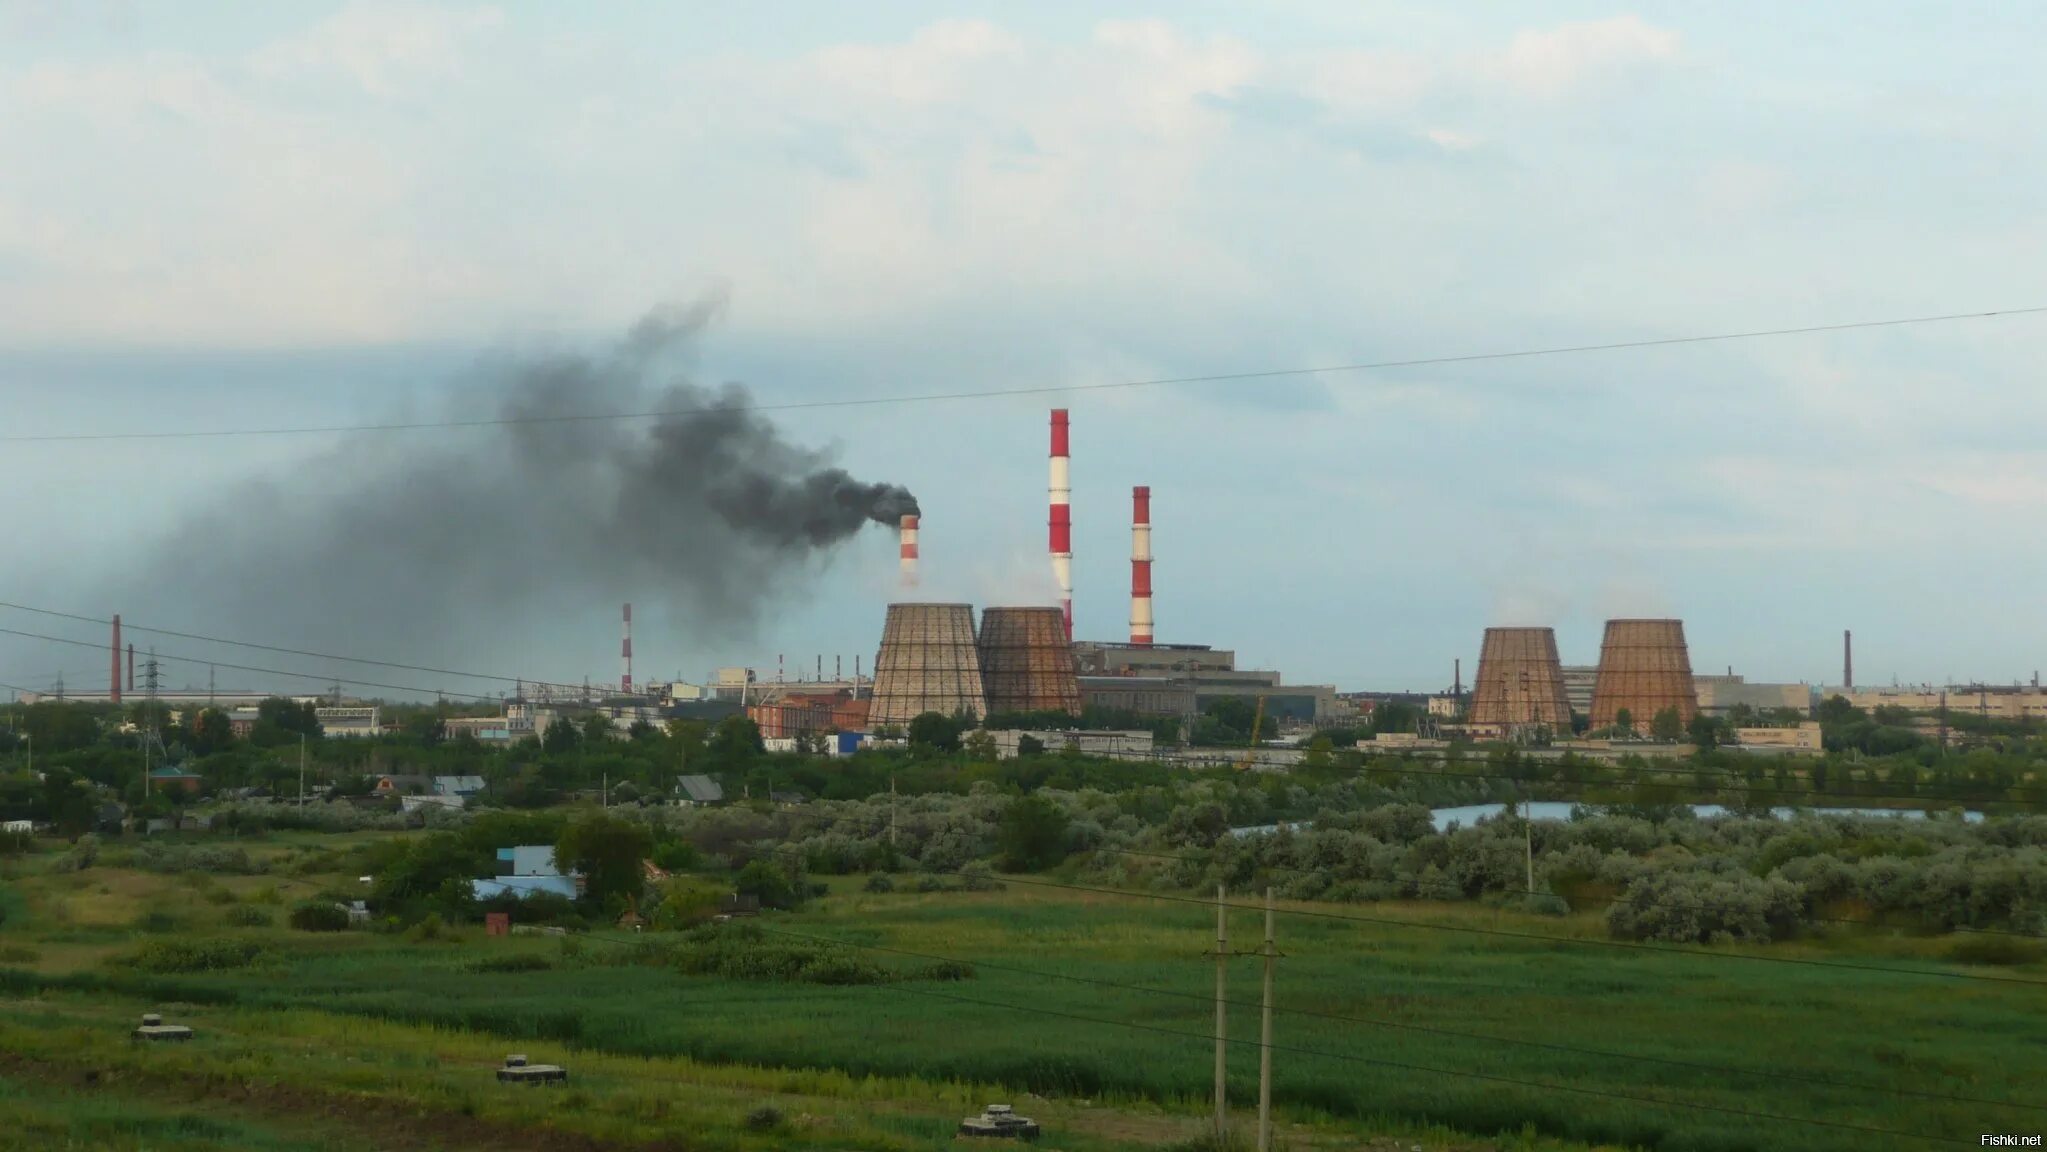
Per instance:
x=1037, y=390
x=1425, y=1029
x=284, y=651
x=1403, y=1067
x=251, y=668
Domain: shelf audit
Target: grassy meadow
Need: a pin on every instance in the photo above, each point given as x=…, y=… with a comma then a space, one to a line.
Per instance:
x=364, y=1027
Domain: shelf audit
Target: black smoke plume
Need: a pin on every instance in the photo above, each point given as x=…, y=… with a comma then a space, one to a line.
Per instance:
x=451, y=541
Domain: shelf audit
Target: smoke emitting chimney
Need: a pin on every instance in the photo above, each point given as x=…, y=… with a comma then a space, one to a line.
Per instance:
x=1061, y=493
x=1140, y=566
x=114, y=688
x=1847, y=659
x=625, y=652
x=908, y=531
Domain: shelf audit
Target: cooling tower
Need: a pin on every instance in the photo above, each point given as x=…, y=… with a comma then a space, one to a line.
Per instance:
x=1027, y=661
x=1644, y=668
x=927, y=664
x=1520, y=681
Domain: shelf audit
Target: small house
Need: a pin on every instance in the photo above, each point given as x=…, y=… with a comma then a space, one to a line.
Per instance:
x=694, y=790
x=170, y=779
x=463, y=786
x=402, y=785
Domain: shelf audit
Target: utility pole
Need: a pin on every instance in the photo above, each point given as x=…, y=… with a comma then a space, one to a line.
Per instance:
x=1222, y=1068
x=1265, y=1037
x=302, y=770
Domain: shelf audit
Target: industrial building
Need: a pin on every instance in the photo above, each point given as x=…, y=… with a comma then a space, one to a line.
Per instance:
x=1989, y=701
x=1181, y=680
x=1027, y=662
x=1579, y=680
x=1127, y=745
x=1719, y=695
x=1644, y=669
x=1520, y=685
x=928, y=663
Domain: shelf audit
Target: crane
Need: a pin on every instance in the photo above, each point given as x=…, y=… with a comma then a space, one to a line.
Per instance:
x=1257, y=726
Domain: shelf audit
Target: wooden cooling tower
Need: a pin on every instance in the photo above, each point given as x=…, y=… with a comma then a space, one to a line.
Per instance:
x=1643, y=668
x=927, y=663
x=1520, y=681
x=1027, y=662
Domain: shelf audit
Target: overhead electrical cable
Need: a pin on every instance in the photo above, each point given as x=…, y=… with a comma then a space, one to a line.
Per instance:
x=1035, y=390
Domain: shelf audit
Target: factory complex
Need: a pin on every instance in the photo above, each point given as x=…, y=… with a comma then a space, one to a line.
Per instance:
x=1023, y=661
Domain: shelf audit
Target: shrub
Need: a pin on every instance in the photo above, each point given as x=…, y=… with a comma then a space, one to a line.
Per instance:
x=429, y=929
x=1701, y=908
x=158, y=921
x=246, y=916
x=19, y=954
x=766, y=1118
x=318, y=916
x=1982, y=948
x=948, y=970
x=880, y=882
x=979, y=877
x=512, y=962
x=193, y=955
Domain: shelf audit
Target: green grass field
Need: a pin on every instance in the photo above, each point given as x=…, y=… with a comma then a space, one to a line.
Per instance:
x=407, y=1020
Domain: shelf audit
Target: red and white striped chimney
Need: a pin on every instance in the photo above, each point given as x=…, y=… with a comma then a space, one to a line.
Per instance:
x=1062, y=519
x=1140, y=566
x=625, y=652
x=114, y=689
x=908, y=531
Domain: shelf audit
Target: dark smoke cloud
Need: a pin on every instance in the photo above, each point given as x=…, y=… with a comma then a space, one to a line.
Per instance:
x=462, y=540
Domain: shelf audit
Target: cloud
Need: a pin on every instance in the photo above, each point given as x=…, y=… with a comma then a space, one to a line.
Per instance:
x=1558, y=61
x=385, y=49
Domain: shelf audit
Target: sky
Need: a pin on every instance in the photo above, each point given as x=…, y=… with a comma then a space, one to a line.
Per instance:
x=224, y=216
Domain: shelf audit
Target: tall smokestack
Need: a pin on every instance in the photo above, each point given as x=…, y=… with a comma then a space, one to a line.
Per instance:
x=1062, y=519
x=1140, y=566
x=114, y=688
x=625, y=652
x=908, y=530
x=131, y=667
x=1847, y=659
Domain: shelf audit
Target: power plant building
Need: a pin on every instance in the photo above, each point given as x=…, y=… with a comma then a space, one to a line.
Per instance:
x=1181, y=680
x=1644, y=669
x=1520, y=683
x=928, y=663
x=1027, y=662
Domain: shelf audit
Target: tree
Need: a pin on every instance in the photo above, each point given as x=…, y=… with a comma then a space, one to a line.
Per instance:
x=934, y=732
x=211, y=732
x=735, y=743
x=1029, y=745
x=980, y=746
x=768, y=882
x=1667, y=725
x=1624, y=721
x=561, y=736
x=1705, y=731
x=1032, y=835
x=289, y=716
x=426, y=727
x=596, y=728
x=610, y=853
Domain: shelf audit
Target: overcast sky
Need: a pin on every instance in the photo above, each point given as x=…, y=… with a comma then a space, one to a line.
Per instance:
x=223, y=215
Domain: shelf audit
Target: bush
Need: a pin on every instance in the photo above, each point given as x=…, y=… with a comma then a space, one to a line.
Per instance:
x=158, y=921
x=766, y=1118
x=880, y=882
x=2006, y=951
x=245, y=916
x=979, y=877
x=19, y=954
x=948, y=970
x=513, y=962
x=319, y=916
x=193, y=956
x=1704, y=908
x=429, y=929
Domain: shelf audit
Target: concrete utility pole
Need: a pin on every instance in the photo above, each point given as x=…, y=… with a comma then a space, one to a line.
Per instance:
x=302, y=770
x=1222, y=1018
x=1265, y=1037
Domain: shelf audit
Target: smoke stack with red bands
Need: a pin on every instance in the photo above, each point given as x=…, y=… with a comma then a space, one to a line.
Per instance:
x=1062, y=519
x=909, y=561
x=1140, y=566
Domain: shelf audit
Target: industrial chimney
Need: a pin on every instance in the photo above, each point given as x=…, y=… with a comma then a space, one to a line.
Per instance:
x=909, y=560
x=1062, y=520
x=131, y=667
x=1140, y=566
x=1848, y=660
x=114, y=688
x=625, y=652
